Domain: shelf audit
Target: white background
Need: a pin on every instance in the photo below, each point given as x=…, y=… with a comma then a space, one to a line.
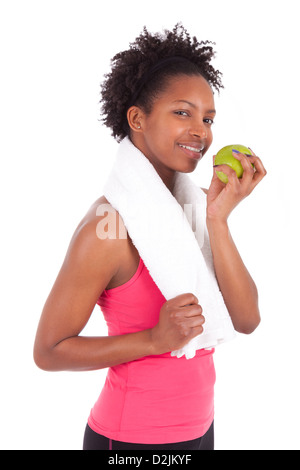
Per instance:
x=55, y=156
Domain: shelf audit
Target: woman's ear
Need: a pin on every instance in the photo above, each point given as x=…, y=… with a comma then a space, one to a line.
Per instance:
x=135, y=118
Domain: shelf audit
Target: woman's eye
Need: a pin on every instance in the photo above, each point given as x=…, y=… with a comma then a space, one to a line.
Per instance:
x=209, y=121
x=181, y=113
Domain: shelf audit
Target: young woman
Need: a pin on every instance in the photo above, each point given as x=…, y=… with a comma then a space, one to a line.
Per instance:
x=159, y=94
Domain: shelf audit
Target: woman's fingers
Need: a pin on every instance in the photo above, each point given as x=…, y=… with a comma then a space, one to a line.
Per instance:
x=246, y=164
x=260, y=171
x=253, y=167
x=233, y=180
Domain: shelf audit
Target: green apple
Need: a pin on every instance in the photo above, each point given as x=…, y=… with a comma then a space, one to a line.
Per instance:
x=226, y=157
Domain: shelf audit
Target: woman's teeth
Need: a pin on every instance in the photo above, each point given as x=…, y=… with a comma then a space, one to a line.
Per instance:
x=192, y=149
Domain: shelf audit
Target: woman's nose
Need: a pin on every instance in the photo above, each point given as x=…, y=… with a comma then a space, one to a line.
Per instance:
x=199, y=130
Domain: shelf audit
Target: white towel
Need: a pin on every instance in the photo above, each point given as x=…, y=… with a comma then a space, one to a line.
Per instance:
x=171, y=237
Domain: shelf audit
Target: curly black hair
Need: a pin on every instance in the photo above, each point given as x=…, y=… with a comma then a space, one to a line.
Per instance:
x=126, y=86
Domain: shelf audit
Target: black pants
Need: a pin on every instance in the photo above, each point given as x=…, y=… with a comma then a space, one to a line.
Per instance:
x=94, y=441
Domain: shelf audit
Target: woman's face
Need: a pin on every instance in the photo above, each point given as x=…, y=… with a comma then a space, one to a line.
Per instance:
x=178, y=131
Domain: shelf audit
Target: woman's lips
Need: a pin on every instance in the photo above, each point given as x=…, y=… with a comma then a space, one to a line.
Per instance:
x=192, y=151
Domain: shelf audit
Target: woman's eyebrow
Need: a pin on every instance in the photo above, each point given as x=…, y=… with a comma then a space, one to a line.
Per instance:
x=210, y=111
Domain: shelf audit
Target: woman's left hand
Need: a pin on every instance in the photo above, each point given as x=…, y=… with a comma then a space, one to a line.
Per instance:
x=223, y=198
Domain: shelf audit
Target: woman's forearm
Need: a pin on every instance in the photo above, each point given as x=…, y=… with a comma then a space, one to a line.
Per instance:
x=80, y=353
x=237, y=286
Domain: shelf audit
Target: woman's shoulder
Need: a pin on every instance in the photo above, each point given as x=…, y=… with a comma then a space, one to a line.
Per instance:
x=101, y=243
x=102, y=219
x=101, y=231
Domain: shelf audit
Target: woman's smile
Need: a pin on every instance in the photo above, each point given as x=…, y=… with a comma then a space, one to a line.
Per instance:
x=193, y=150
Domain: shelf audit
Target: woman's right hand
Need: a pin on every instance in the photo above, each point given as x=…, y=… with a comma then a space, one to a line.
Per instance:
x=180, y=320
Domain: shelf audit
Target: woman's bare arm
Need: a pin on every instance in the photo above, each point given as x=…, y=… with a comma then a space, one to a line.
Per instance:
x=237, y=286
x=89, y=266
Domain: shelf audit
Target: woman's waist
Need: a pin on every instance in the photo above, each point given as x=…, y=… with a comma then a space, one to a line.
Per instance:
x=165, y=372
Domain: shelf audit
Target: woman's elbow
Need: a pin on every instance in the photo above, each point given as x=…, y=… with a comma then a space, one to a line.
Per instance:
x=248, y=329
x=40, y=360
x=249, y=324
x=43, y=358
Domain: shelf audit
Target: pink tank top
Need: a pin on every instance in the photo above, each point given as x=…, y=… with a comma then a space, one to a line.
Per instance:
x=156, y=399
